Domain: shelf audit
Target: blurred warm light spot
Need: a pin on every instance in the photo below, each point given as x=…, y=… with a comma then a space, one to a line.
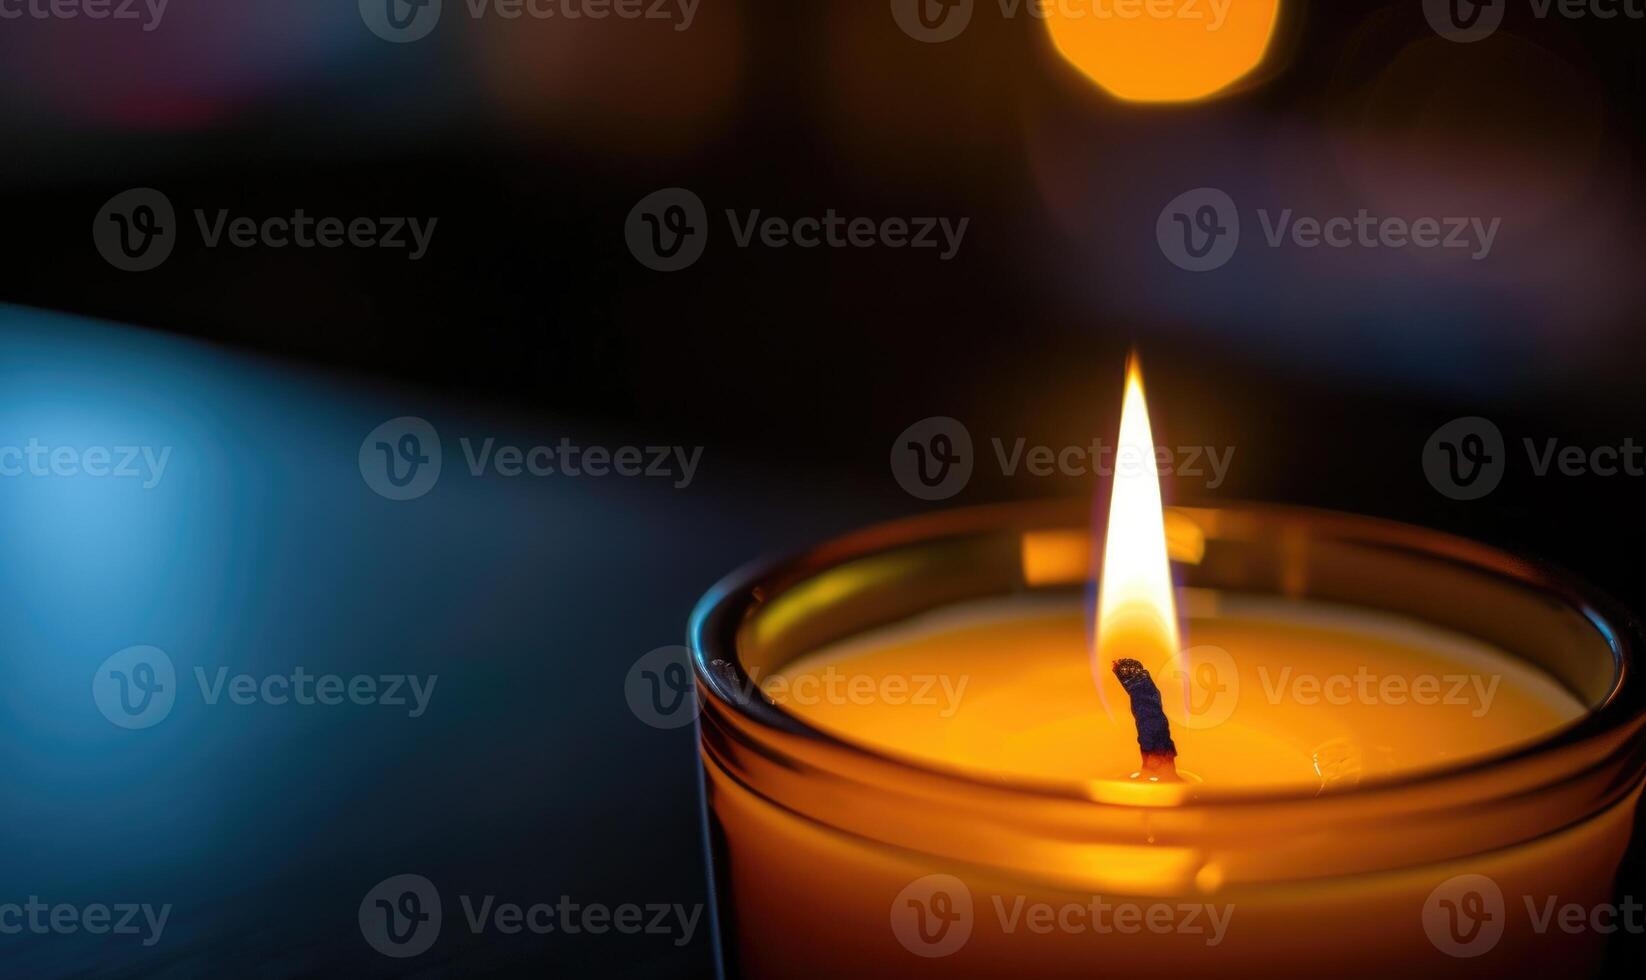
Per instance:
x=790, y=613
x=1176, y=865
x=1209, y=878
x=1056, y=557
x=614, y=85
x=1185, y=540
x=1163, y=50
x=1515, y=130
x=198, y=66
x=1402, y=127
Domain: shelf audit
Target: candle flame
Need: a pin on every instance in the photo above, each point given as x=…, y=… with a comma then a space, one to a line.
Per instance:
x=1136, y=612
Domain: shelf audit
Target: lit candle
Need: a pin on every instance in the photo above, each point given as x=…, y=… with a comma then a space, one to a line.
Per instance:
x=1366, y=714
x=1029, y=706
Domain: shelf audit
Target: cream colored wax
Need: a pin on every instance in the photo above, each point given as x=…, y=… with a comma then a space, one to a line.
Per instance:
x=1270, y=693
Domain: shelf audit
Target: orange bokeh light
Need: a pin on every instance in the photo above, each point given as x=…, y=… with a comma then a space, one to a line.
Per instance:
x=1163, y=50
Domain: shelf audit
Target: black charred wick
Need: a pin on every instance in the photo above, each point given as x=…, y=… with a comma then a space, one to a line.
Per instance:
x=1154, y=733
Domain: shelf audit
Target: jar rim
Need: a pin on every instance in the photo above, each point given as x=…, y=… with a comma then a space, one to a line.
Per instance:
x=725, y=685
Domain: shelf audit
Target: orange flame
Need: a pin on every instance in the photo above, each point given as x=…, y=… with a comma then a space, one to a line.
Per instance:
x=1136, y=611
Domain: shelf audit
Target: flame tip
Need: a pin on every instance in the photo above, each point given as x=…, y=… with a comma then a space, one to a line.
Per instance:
x=1136, y=610
x=1134, y=372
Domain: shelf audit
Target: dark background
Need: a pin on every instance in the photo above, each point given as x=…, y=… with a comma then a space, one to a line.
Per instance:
x=530, y=320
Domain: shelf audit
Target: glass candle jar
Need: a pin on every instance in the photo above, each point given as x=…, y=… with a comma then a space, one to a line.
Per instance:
x=844, y=844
